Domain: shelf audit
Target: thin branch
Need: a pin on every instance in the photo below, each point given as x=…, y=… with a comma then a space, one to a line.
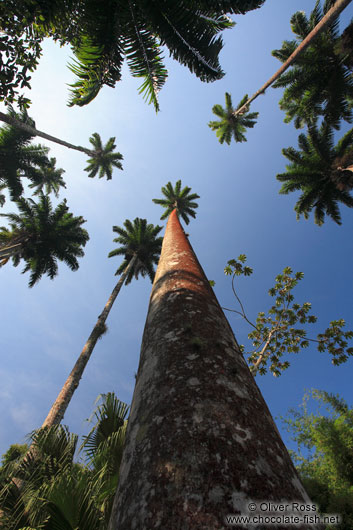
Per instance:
x=241, y=305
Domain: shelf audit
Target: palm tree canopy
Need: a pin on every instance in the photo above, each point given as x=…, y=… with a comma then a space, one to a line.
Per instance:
x=180, y=199
x=48, y=178
x=40, y=236
x=230, y=124
x=138, y=239
x=104, y=158
x=103, y=34
x=319, y=83
x=319, y=171
x=18, y=157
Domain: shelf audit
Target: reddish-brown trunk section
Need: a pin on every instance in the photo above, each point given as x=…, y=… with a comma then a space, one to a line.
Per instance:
x=201, y=442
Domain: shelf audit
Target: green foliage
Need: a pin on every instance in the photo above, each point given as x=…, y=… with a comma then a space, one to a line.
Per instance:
x=319, y=83
x=40, y=236
x=180, y=199
x=46, y=489
x=102, y=38
x=103, y=159
x=14, y=452
x=324, y=455
x=136, y=30
x=237, y=267
x=319, y=171
x=138, y=239
x=275, y=334
x=20, y=51
x=231, y=124
x=21, y=159
x=48, y=179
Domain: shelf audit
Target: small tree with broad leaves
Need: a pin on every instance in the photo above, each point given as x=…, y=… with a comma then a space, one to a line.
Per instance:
x=276, y=333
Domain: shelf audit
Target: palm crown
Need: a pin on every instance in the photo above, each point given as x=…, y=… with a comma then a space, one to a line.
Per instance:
x=231, y=124
x=18, y=158
x=319, y=83
x=49, y=178
x=103, y=159
x=321, y=171
x=138, y=239
x=178, y=199
x=40, y=236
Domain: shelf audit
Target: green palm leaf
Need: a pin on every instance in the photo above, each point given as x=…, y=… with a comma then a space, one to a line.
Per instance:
x=104, y=158
x=319, y=83
x=40, y=236
x=232, y=124
x=180, y=199
x=137, y=239
x=320, y=172
x=137, y=30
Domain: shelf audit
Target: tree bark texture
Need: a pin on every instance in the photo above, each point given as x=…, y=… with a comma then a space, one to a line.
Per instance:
x=201, y=442
x=58, y=409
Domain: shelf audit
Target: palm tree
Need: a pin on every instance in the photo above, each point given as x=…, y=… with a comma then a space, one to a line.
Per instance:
x=179, y=199
x=321, y=171
x=18, y=157
x=40, y=236
x=103, y=448
x=140, y=247
x=104, y=159
x=230, y=124
x=296, y=52
x=50, y=487
x=319, y=82
x=101, y=158
x=200, y=441
x=136, y=30
x=49, y=178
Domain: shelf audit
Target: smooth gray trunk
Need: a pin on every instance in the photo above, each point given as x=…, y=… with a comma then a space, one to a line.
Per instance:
x=10, y=120
x=61, y=403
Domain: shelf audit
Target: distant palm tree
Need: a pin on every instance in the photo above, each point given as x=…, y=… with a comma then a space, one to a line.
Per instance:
x=178, y=199
x=39, y=236
x=101, y=159
x=231, y=124
x=18, y=157
x=319, y=83
x=322, y=172
x=48, y=179
x=140, y=247
x=104, y=159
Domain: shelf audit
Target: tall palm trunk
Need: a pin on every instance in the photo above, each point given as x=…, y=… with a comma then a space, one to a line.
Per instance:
x=10, y=120
x=61, y=403
x=201, y=442
x=331, y=14
x=7, y=251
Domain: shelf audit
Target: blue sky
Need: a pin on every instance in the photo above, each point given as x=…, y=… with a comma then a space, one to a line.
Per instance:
x=240, y=211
